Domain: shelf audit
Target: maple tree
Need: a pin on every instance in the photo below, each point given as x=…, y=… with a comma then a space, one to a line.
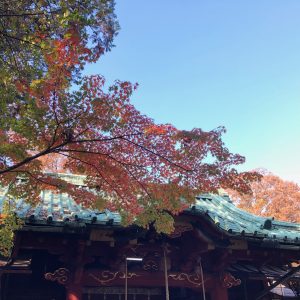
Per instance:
x=271, y=197
x=50, y=115
x=132, y=164
x=45, y=44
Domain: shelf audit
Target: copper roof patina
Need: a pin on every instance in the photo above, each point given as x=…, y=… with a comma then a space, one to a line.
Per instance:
x=223, y=213
x=59, y=209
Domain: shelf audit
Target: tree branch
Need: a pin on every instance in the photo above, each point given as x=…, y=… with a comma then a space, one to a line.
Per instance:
x=98, y=171
x=24, y=14
x=53, y=149
x=158, y=155
x=99, y=153
x=123, y=164
x=19, y=39
x=31, y=158
x=119, y=137
x=36, y=178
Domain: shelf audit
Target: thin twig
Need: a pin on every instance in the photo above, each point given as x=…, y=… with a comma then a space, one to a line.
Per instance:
x=157, y=154
x=98, y=171
x=24, y=14
x=19, y=39
x=123, y=164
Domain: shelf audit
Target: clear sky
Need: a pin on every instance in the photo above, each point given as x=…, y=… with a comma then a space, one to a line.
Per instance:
x=206, y=63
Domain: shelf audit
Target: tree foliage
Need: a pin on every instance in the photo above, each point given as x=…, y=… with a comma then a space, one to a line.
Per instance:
x=9, y=224
x=272, y=197
x=50, y=42
x=51, y=115
x=137, y=165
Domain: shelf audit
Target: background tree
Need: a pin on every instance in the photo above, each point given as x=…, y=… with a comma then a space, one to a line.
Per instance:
x=271, y=197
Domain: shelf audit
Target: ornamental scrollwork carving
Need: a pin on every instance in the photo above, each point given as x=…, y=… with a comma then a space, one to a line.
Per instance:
x=108, y=276
x=228, y=280
x=150, y=265
x=152, y=261
x=193, y=279
x=61, y=275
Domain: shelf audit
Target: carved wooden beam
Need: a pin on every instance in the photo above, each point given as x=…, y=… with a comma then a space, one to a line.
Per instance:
x=145, y=279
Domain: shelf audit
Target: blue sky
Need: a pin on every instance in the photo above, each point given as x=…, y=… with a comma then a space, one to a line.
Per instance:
x=214, y=62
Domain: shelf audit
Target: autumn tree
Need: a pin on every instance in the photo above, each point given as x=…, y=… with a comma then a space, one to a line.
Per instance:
x=271, y=197
x=132, y=164
x=49, y=112
x=45, y=44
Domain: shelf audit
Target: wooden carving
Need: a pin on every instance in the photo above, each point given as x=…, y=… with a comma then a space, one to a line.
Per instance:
x=107, y=276
x=194, y=279
x=228, y=280
x=180, y=228
x=61, y=275
x=152, y=261
x=150, y=265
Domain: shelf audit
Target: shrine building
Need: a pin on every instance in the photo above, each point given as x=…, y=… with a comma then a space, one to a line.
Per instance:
x=217, y=252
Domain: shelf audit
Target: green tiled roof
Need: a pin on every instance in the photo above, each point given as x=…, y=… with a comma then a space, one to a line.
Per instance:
x=57, y=209
x=227, y=217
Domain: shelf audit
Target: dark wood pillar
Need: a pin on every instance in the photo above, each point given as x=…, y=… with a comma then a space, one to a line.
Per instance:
x=1, y=288
x=74, y=292
x=218, y=291
x=76, y=260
